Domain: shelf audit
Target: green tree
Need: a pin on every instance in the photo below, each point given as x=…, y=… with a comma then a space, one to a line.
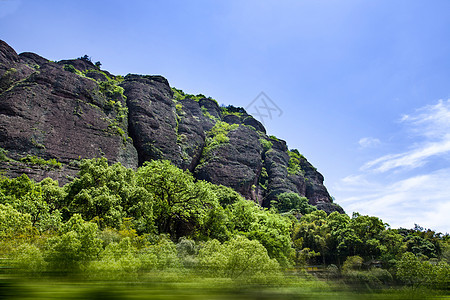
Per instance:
x=292, y=201
x=28, y=258
x=422, y=241
x=352, y=263
x=29, y=197
x=412, y=271
x=313, y=232
x=271, y=229
x=216, y=222
x=338, y=242
x=160, y=255
x=417, y=273
x=368, y=230
x=180, y=205
x=117, y=259
x=225, y=195
x=109, y=194
x=13, y=223
x=77, y=245
x=239, y=258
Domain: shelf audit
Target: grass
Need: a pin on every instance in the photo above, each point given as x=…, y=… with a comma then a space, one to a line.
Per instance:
x=167, y=285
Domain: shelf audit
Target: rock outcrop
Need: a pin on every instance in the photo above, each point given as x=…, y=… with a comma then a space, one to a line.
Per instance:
x=49, y=111
x=236, y=163
x=69, y=110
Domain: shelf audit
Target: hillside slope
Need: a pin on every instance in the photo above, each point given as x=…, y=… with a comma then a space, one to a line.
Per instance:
x=52, y=114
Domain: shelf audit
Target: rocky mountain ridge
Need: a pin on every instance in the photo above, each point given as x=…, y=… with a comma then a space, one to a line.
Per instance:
x=52, y=114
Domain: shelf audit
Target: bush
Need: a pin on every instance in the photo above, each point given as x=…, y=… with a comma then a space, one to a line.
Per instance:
x=77, y=245
x=373, y=279
x=117, y=258
x=34, y=160
x=187, y=251
x=70, y=68
x=3, y=155
x=362, y=279
x=265, y=144
x=29, y=259
x=12, y=222
x=352, y=263
x=415, y=273
x=218, y=135
x=109, y=194
x=165, y=253
x=294, y=162
x=292, y=201
x=239, y=259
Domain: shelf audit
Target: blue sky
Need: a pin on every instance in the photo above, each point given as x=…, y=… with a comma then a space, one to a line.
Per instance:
x=363, y=85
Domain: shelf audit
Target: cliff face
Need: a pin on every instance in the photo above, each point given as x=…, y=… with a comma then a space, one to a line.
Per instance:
x=71, y=109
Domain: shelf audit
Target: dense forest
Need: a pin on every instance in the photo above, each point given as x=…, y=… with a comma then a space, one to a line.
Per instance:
x=111, y=222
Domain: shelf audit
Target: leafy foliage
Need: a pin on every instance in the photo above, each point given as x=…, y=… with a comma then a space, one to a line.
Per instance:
x=36, y=200
x=217, y=136
x=179, y=95
x=294, y=161
x=12, y=222
x=232, y=110
x=292, y=201
x=116, y=223
x=239, y=258
x=108, y=194
x=3, y=155
x=179, y=202
x=34, y=160
x=414, y=272
x=76, y=245
x=72, y=69
x=265, y=144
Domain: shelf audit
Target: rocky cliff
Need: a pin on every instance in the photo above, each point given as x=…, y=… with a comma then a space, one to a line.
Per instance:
x=52, y=114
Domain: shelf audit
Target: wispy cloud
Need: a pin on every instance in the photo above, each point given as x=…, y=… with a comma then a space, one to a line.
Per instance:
x=432, y=121
x=421, y=199
x=369, y=142
x=405, y=198
x=410, y=159
x=432, y=124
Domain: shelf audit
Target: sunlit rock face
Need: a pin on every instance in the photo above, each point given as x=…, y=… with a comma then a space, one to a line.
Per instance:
x=71, y=109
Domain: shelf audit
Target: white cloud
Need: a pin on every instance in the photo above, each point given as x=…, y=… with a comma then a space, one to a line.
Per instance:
x=405, y=198
x=432, y=123
x=410, y=159
x=421, y=199
x=369, y=142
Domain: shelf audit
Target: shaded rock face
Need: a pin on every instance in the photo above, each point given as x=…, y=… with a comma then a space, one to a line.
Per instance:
x=254, y=123
x=53, y=113
x=315, y=190
x=192, y=125
x=152, y=118
x=276, y=162
x=16, y=168
x=211, y=106
x=236, y=164
x=11, y=70
x=71, y=110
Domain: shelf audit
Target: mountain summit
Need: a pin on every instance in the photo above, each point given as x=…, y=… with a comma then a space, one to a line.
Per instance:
x=52, y=114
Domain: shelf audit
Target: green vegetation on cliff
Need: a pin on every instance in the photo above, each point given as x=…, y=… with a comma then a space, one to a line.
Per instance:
x=158, y=224
x=217, y=136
